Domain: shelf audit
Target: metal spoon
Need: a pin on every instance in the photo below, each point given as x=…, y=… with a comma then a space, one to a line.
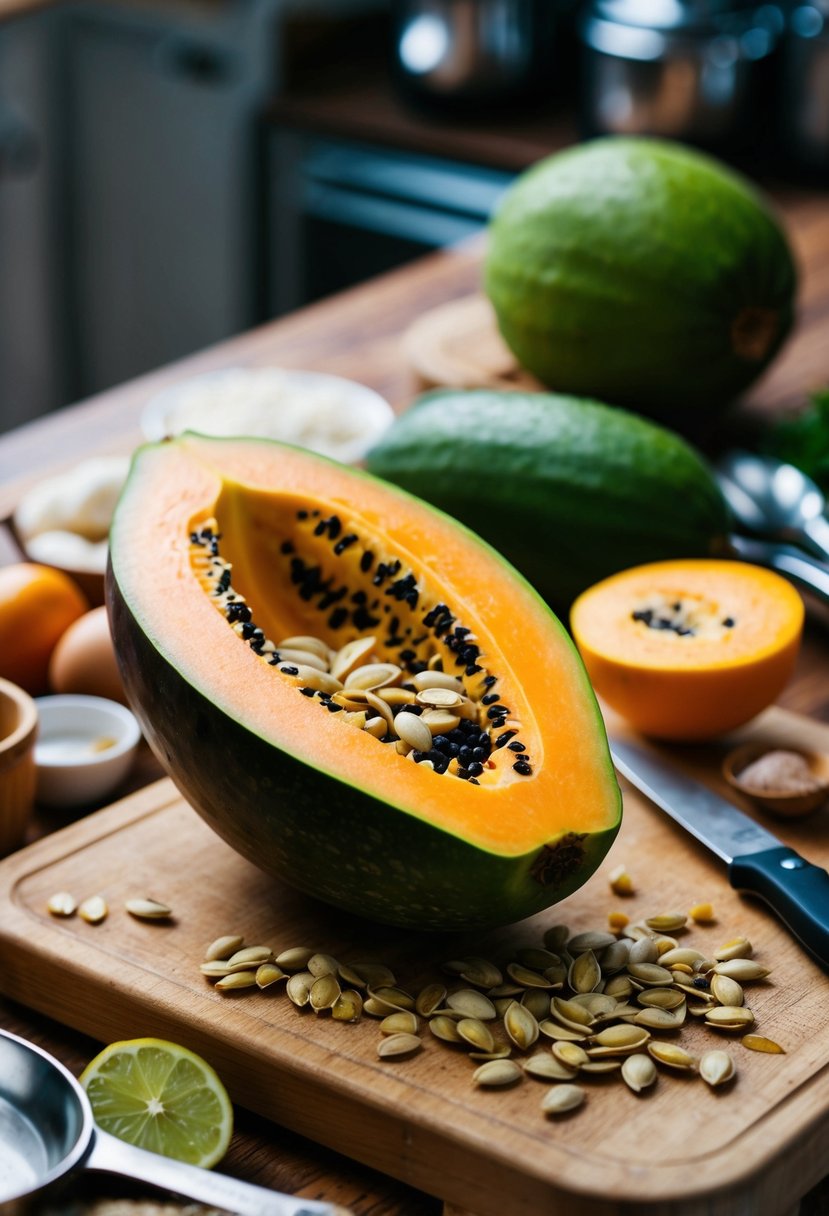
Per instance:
x=773, y=499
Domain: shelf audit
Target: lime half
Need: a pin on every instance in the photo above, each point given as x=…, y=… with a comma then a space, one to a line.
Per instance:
x=161, y=1097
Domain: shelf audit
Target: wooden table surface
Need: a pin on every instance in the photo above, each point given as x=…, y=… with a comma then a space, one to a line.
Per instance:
x=358, y=335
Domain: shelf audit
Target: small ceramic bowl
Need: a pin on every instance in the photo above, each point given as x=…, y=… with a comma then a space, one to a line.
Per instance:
x=18, y=729
x=780, y=800
x=85, y=749
x=336, y=417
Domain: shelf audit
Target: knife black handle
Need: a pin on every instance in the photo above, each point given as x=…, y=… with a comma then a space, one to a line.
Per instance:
x=794, y=888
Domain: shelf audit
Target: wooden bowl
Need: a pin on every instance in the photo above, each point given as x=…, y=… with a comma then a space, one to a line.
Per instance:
x=780, y=801
x=18, y=729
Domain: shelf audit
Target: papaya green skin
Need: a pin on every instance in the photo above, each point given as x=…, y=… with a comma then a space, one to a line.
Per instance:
x=619, y=269
x=568, y=490
x=326, y=838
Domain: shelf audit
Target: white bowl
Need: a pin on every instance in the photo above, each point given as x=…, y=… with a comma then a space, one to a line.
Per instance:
x=336, y=417
x=84, y=750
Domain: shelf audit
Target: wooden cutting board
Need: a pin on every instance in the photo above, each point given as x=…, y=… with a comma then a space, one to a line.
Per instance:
x=680, y=1149
x=457, y=345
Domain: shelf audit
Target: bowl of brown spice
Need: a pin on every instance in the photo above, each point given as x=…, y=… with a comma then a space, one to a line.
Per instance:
x=785, y=780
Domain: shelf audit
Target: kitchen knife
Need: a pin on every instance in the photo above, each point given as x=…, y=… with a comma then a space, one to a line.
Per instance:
x=758, y=863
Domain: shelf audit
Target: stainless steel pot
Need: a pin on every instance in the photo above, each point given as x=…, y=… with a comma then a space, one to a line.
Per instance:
x=472, y=51
x=47, y=1132
x=682, y=69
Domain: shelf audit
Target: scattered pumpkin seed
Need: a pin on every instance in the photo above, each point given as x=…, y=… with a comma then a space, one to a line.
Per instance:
x=585, y=974
x=223, y=947
x=756, y=1042
x=620, y=881
x=609, y=1065
x=348, y=1006
x=556, y=937
x=535, y=959
x=737, y=947
x=682, y=956
x=93, y=910
x=250, y=954
x=726, y=990
x=268, y=974
x=536, y=1001
x=638, y=1072
x=729, y=1017
x=560, y=1099
x=481, y=973
x=497, y=1073
x=374, y=975
x=429, y=999
x=703, y=914
x=398, y=1045
x=562, y=1034
x=445, y=1028
x=570, y=1054
x=545, y=1066
x=672, y=1055
x=743, y=970
x=661, y=998
x=643, y=951
x=476, y=1033
x=215, y=968
x=295, y=959
x=659, y=1019
x=62, y=904
x=623, y=1038
x=650, y=974
x=325, y=992
x=402, y=1022
x=236, y=981
x=570, y=1012
x=667, y=922
x=617, y=920
x=298, y=988
x=471, y=1004
x=527, y=978
x=591, y=940
x=147, y=910
x=521, y=1025
x=322, y=964
x=717, y=1067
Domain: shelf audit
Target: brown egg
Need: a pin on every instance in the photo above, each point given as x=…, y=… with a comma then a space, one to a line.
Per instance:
x=84, y=659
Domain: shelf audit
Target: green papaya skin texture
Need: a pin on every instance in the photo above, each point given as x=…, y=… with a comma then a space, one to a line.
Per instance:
x=569, y=490
x=643, y=273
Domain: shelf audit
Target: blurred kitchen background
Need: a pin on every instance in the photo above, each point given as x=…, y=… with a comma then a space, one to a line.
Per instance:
x=175, y=171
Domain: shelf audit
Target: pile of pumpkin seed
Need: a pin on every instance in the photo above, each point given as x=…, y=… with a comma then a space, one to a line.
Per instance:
x=577, y=1005
x=394, y=688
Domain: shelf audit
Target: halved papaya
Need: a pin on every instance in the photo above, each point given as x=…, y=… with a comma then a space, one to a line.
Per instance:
x=353, y=690
x=690, y=649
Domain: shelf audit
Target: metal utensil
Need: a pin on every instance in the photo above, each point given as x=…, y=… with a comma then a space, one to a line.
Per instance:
x=686, y=70
x=47, y=1131
x=776, y=500
x=758, y=863
x=804, y=571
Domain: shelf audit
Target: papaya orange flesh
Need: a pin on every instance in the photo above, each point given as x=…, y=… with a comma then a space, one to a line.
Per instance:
x=303, y=792
x=688, y=650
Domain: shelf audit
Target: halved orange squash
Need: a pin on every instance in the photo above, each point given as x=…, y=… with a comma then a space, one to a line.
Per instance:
x=271, y=610
x=688, y=649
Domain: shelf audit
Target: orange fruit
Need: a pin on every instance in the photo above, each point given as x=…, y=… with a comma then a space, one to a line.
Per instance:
x=37, y=604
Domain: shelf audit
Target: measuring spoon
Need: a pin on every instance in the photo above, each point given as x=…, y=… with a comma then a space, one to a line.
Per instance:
x=47, y=1132
x=775, y=499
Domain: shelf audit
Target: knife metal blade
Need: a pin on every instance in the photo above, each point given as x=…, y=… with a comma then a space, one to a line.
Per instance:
x=758, y=863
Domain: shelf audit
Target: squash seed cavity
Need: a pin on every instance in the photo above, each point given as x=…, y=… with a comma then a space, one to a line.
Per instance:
x=415, y=676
